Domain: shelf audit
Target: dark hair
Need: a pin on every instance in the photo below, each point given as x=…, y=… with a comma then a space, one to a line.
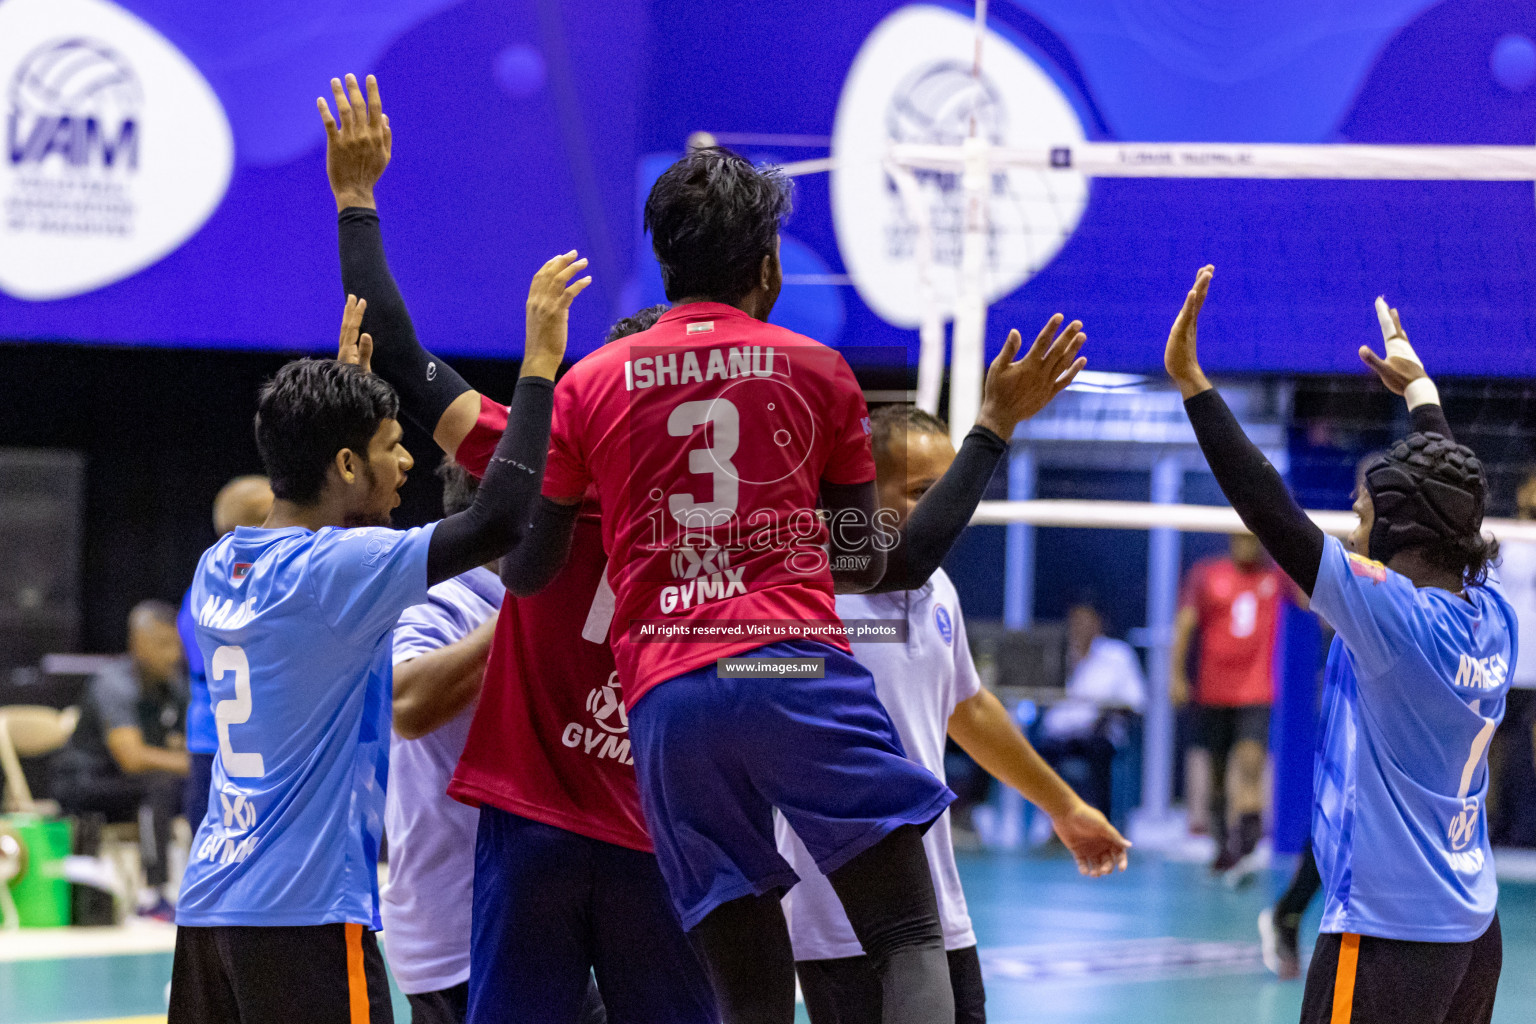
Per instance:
x=712, y=217
x=309, y=411
x=459, y=486
x=635, y=323
x=886, y=420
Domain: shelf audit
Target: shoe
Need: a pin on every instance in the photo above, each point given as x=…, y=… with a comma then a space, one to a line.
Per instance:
x=1225, y=859
x=160, y=910
x=1278, y=944
x=1245, y=869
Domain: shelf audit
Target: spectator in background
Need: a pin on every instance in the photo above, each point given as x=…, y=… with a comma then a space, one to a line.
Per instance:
x=1104, y=682
x=1512, y=758
x=127, y=759
x=244, y=501
x=1231, y=607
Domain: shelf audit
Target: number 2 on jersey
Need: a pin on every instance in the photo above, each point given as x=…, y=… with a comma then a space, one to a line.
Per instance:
x=235, y=712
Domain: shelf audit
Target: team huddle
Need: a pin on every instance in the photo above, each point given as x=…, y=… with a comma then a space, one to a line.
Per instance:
x=629, y=765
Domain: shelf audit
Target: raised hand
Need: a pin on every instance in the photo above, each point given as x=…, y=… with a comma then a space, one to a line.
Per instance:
x=1095, y=844
x=357, y=142
x=1182, y=357
x=355, y=349
x=1401, y=367
x=549, y=304
x=1016, y=389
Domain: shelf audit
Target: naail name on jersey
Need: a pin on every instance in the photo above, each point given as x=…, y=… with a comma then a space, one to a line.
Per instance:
x=1482, y=673
x=683, y=367
x=226, y=614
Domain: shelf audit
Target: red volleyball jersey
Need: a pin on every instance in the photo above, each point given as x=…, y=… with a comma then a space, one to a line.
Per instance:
x=707, y=438
x=1239, y=615
x=550, y=736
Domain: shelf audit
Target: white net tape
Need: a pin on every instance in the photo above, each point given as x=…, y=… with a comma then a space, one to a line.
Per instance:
x=1144, y=515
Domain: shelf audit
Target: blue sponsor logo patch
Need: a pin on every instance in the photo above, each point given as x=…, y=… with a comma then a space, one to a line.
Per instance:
x=945, y=624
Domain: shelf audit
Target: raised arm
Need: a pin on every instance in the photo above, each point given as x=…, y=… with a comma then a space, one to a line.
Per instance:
x=497, y=522
x=1251, y=484
x=1016, y=388
x=357, y=150
x=1403, y=374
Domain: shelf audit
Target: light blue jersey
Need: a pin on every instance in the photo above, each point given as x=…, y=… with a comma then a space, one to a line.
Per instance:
x=1415, y=687
x=294, y=627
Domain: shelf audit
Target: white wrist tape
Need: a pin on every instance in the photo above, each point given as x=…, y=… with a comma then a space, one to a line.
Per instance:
x=1421, y=392
x=1397, y=345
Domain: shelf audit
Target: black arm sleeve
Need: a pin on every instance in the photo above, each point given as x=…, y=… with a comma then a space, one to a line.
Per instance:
x=498, y=519
x=858, y=560
x=1261, y=499
x=943, y=513
x=1430, y=419
x=529, y=567
x=426, y=384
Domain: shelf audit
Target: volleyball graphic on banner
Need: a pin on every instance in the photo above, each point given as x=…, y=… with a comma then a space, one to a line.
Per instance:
x=117, y=150
x=912, y=83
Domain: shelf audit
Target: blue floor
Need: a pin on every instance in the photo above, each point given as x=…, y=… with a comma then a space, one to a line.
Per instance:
x=1159, y=944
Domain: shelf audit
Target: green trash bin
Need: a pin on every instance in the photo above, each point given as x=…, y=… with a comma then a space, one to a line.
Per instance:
x=42, y=893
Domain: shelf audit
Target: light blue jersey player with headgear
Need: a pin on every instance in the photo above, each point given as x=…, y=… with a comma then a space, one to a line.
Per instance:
x=1416, y=682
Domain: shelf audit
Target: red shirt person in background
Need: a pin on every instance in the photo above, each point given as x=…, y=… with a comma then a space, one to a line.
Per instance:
x=1230, y=608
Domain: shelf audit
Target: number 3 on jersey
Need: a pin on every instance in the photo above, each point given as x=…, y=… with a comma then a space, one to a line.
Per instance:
x=714, y=461
x=235, y=712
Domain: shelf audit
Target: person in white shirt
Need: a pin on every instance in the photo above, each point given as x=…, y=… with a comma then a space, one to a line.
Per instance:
x=1105, y=682
x=929, y=685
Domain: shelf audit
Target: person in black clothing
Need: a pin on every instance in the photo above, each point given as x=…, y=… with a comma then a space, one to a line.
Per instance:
x=127, y=758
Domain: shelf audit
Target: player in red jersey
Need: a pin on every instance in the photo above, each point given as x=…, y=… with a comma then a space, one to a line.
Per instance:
x=1230, y=608
x=565, y=885
x=897, y=925
x=711, y=441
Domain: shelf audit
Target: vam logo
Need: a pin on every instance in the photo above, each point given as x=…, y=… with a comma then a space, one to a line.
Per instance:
x=116, y=149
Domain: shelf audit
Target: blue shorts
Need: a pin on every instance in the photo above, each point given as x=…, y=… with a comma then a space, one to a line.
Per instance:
x=553, y=908
x=716, y=756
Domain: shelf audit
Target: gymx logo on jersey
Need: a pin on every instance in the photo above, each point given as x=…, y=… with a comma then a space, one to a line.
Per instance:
x=117, y=150
x=611, y=737
x=1482, y=673
x=232, y=839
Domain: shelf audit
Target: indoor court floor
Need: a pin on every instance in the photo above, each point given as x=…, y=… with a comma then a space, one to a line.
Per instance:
x=1159, y=944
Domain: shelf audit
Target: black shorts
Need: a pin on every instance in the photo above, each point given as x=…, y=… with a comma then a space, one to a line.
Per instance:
x=847, y=990
x=445, y=1006
x=319, y=974
x=1362, y=979
x=1222, y=728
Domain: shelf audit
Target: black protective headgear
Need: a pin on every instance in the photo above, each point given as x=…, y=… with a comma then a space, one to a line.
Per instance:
x=1425, y=490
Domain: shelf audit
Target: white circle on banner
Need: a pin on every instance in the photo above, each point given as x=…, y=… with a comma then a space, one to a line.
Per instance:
x=911, y=83
x=117, y=150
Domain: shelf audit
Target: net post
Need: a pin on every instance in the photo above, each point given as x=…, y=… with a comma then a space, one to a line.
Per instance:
x=1019, y=567
x=1162, y=606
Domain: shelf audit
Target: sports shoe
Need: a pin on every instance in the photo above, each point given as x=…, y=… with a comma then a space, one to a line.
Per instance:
x=1225, y=859
x=1278, y=944
x=160, y=910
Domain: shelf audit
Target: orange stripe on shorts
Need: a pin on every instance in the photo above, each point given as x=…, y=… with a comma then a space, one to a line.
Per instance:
x=1344, y=980
x=357, y=978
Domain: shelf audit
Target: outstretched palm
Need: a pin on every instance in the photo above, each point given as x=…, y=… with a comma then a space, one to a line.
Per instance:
x=1182, y=358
